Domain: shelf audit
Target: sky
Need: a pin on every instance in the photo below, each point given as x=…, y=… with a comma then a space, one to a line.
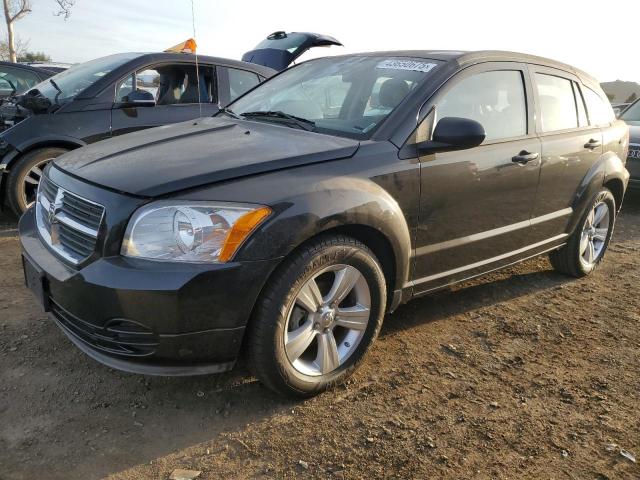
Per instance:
x=583, y=33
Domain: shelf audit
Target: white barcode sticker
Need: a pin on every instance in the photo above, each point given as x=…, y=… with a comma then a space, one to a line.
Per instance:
x=412, y=65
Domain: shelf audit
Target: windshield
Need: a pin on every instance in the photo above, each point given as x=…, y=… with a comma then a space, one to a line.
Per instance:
x=79, y=77
x=347, y=96
x=632, y=114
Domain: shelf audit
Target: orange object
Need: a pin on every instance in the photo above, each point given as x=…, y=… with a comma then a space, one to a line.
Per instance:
x=241, y=230
x=188, y=46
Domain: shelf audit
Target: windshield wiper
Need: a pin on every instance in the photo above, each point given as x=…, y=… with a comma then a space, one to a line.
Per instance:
x=303, y=123
x=55, y=85
x=230, y=112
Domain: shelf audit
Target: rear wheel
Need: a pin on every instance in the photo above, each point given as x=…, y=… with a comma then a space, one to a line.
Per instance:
x=588, y=243
x=24, y=177
x=317, y=317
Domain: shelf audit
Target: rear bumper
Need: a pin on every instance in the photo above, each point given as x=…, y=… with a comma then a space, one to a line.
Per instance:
x=149, y=317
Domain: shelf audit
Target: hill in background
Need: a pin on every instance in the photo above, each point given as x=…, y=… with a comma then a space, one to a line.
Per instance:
x=621, y=91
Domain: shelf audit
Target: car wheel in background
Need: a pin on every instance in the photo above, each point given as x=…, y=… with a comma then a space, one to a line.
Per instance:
x=588, y=243
x=317, y=317
x=24, y=177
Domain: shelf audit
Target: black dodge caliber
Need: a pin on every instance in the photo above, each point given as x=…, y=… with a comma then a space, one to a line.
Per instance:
x=337, y=190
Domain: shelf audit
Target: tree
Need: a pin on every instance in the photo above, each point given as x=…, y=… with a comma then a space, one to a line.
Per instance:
x=14, y=10
x=632, y=98
x=64, y=8
x=21, y=47
x=30, y=57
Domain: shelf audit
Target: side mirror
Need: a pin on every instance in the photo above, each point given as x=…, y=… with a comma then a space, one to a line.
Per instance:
x=454, y=133
x=139, y=98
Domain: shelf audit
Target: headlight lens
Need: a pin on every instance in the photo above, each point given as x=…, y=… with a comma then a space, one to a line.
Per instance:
x=190, y=231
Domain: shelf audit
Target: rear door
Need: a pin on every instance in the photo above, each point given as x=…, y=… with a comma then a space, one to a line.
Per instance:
x=570, y=147
x=475, y=204
x=177, y=93
x=279, y=49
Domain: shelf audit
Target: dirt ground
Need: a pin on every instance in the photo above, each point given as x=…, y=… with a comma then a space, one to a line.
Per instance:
x=521, y=374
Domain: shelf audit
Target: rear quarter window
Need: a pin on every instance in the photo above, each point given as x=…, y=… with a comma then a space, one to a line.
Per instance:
x=598, y=109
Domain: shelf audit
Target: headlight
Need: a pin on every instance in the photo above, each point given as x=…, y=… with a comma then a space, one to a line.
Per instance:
x=182, y=231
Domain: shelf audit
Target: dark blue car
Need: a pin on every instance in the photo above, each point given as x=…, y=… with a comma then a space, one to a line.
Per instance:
x=123, y=93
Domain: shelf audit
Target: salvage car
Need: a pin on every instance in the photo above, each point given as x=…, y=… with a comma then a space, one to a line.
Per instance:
x=96, y=100
x=631, y=115
x=15, y=78
x=334, y=192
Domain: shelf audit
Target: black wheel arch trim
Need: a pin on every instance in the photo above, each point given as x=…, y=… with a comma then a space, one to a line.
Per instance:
x=361, y=209
x=17, y=152
x=609, y=169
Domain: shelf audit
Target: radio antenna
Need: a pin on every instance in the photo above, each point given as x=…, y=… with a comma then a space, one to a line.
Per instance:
x=193, y=24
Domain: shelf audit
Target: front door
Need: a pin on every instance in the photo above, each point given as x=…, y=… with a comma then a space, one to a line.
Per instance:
x=176, y=92
x=476, y=204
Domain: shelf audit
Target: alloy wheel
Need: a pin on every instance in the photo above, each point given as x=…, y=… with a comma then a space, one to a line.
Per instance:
x=327, y=320
x=594, y=234
x=31, y=181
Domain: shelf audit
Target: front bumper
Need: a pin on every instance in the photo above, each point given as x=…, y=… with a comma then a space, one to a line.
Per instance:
x=149, y=317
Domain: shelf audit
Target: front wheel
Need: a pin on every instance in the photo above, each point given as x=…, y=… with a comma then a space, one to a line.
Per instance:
x=317, y=317
x=24, y=177
x=588, y=243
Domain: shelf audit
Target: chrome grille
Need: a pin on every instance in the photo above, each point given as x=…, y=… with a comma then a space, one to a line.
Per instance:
x=69, y=224
x=634, y=151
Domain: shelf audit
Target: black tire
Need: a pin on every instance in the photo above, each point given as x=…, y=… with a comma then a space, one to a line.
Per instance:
x=567, y=259
x=266, y=336
x=17, y=198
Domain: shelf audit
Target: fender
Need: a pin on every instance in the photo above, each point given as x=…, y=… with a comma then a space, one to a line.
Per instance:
x=50, y=141
x=15, y=153
x=342, y=203
x=609, y=167
x=39, y=142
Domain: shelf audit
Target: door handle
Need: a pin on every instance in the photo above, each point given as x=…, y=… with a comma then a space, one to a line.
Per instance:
x=525, y=157
x=591, y=144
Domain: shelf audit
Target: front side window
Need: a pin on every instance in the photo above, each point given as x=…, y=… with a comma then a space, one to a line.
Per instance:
x=170, y=84
x=494, y=99
x=556, y=102
x=599, y=110
x=347, y=96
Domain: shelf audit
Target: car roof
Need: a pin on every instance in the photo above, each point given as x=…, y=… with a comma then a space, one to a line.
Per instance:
x=29, y=68
x=170, y=56
x=464, y=58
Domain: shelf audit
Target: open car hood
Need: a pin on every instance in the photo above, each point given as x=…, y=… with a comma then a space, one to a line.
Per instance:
x=279, y=49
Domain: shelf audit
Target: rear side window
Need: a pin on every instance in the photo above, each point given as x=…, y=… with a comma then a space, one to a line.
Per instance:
x=556, y=102
x=241, y=81
x=600, y=111
x=495, y=99
x=582, y=113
